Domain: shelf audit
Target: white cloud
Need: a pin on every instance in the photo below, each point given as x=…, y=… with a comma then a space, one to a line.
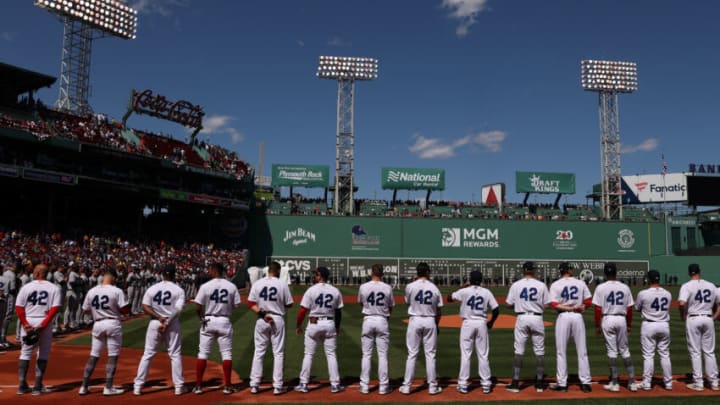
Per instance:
x=648, y=145
x=436, y=148
x=6, y=36
x=300, y=43
x=337, y=41
x=163, y=7
x=466, y=11
x=220, y=124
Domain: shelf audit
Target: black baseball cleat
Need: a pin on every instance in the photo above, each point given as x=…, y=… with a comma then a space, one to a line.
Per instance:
x=558, y=388
x=586, y=388
x=538, y=386
x=514, y=386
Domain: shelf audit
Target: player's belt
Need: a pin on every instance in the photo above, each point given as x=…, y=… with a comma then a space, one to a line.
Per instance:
x=650, y=320
x=315, y=319
x=217, y=316
x=694, y=315
x=106, y=319
x=529, y=313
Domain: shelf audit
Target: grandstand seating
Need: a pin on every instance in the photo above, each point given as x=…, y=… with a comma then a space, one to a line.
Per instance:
x=373, y=208
x=44, y=124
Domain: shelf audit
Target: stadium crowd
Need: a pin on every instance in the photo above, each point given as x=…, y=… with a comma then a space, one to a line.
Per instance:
x=100, y=130
x=453, y=209
x=77, y=264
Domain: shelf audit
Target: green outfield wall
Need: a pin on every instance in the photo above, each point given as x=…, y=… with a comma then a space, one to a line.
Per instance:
x=350, y=245
x=459, y=238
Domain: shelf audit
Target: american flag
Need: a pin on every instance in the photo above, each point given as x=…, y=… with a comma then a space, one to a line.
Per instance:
x=664, y=165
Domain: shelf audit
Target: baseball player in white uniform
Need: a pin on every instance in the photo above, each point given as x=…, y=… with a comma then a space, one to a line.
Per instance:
x=528, y=297
x=654, y=304
x=696, y=299
x=133, y=281
x=5, y=285
x=59, y=280
x=424, y=307
x=570, y=296
x=37, y=304
x=71, y=308
x=474, y=304
x=164, y=302
x=323, y=303
x=269, y=298
x=613, y=303
x=377, y=301
x=23, y=279
x=106, y=304
x=8, y=284
x=216, y=299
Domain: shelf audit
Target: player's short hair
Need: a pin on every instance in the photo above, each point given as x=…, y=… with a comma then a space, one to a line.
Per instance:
x=217, y=266
x=610, y=269
x=565, y=267
x=169, y=271
x=476, y=277
x=423, y=269
x=41, y=270
x=109, y=271
x=653, y=276
x=274, y=267
x=377, y=270
x=529, y=267
x=323, y=272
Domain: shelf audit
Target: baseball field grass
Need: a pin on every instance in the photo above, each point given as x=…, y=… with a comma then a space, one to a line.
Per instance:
x=448, y=363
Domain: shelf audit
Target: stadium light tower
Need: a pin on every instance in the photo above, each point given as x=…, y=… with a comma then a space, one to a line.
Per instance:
x=85, y=20
x=609, y=79
x=346, y=70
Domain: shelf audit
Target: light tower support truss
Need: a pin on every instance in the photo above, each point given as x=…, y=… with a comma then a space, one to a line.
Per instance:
x=345, y=148
x=346, y=71
x=74, y=89
x=610, y=156
x=84, y=20
x=609, y=79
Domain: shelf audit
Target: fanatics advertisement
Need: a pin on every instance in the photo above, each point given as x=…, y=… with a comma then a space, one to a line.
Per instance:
x=654, y=188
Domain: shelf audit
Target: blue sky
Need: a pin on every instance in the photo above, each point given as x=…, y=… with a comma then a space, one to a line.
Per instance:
x=481, y=88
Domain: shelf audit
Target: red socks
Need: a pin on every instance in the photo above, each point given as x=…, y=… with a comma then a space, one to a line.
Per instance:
x=202, y=364
x=227, y=370
x=200, y=371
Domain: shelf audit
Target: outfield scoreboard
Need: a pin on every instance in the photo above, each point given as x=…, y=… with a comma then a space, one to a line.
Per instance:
x=355, y=270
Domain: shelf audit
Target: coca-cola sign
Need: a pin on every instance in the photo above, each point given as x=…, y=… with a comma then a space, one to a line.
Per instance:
x=158, y=106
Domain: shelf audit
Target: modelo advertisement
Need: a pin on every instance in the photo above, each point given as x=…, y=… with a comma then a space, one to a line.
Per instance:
x=654, y=188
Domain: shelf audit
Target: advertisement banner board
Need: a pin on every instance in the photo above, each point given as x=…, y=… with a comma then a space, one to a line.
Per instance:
x=400, y=271
x=545, y=183
x=493, y=194
x=317, y=236
x=398, y=178
x=654, y=188
x=300, y=175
